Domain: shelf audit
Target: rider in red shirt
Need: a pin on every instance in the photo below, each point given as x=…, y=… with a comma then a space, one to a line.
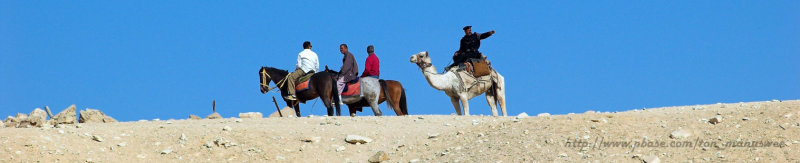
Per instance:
x=372, y=65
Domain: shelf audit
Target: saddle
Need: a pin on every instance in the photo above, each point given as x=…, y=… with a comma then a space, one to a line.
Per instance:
x=302, y=82
x=478, y=67
x=352, y=88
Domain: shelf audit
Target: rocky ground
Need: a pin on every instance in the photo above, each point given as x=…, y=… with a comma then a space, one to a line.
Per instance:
x=705, y=133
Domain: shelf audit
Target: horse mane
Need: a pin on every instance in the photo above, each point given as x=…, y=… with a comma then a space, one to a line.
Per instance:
x=276, y=70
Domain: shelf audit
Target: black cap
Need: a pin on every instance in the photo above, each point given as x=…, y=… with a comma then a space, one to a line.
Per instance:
x=467, y=27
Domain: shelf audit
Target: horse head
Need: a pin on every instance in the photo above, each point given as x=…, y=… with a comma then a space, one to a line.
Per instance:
x=421, y=59
x=264, y=78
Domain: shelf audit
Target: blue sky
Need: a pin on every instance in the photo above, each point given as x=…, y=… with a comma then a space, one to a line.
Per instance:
x=168, y=59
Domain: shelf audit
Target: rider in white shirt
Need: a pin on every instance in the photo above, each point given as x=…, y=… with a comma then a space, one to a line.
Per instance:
x=307, y=62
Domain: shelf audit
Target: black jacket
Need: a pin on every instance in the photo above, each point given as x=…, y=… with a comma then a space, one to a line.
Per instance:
x=471, y=43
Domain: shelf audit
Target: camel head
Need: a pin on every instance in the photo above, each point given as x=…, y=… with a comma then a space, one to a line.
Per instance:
x=421, y=59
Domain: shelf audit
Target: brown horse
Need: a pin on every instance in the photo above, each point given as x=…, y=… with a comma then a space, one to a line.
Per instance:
x=375, y=91
x=320, y=85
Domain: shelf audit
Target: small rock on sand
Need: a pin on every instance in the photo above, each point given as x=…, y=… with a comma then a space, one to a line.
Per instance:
x=286, y=112
x=194, y=117
x=680, y=134
x=715, y=120
x=251, y=115
x=340, y=148
x=97, y=138
x=379, y=157
x=214, y=115
x=543, y=114
x=522, y=115
x=313, y=139
x=651, y=159
x=353, y=139
x=227, y=128
x=434, y=135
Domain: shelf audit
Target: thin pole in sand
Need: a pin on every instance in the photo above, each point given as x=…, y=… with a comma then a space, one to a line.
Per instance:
x=276, y=106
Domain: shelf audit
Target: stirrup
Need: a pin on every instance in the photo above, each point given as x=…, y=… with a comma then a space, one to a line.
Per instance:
x=290, y=97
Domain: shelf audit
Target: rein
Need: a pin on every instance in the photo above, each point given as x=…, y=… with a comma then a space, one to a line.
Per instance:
x=264, y=76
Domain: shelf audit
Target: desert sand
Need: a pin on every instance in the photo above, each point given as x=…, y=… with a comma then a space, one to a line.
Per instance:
x=731, y=132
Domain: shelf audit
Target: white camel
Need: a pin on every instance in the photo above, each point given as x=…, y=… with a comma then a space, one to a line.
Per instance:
x=453, y=87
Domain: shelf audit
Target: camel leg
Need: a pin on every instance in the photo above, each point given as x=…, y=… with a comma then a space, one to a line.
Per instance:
x=500, y=93
x=490, y=98
x=465, y=105
x=456, y=105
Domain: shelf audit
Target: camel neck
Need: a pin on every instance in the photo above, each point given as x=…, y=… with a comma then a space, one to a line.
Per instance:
x=437, y=81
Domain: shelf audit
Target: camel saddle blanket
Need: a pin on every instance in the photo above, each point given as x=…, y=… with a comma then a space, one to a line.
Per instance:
x=469, y=81
x=352, y=88
x=302, y=82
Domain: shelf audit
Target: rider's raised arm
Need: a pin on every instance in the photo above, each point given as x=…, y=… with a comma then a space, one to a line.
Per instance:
x=485, y=35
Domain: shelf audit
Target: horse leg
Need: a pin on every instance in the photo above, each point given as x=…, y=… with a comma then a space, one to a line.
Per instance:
x=375, y=109
x=465, y=105
x=352, y=108
x=454, y=100
x=394, y=97
x=490, y=98
x=297, y=109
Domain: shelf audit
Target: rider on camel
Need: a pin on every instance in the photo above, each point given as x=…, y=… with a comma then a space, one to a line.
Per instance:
x=469, y=46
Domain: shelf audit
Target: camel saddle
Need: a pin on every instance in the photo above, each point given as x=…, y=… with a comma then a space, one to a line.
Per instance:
x=302, y=82
x=478, y=67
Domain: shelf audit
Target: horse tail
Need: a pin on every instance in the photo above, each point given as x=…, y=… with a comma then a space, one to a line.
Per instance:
x=385, y=90
x=403, y=105
x=335, y=94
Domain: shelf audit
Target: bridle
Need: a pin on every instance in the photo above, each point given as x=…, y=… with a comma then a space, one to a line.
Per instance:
x=423, y=65
x=265, y=83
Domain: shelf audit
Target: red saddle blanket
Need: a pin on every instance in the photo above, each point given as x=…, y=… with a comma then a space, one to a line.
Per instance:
x=352, y=89
x=302, y=86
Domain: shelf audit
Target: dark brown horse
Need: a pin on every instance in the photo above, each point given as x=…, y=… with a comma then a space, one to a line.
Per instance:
x=319, y=85
x=375, y=91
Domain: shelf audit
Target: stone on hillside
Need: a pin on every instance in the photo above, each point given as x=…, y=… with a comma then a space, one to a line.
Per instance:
x=38, y=112
x=353, y=139
x=37, y=118
x=194, y=117
x=379, y=157
x=94, y=116
x=715, y=120
x=214, y=115
x=67, y=116
x=522, y=115
x=251, y=115
x=12, y=122
x=227, y=128
x=543, y=114
x=680, y=134
x=286, y=111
